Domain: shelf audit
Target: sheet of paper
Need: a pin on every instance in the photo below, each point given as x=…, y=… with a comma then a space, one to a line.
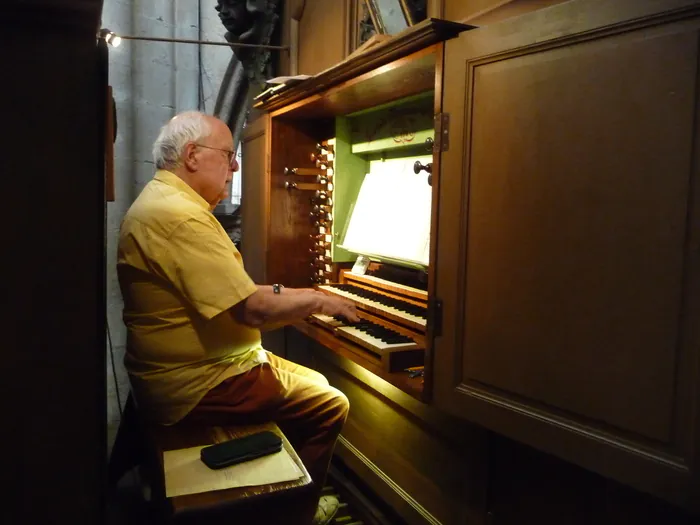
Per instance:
x=391, y=216
x=287, y=79
x=186, y=474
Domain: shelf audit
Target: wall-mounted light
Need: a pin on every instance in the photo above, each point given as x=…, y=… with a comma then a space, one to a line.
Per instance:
x=114, y=40
x=110, y=37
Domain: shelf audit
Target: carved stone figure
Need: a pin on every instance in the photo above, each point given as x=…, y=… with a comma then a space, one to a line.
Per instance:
x=246, y=22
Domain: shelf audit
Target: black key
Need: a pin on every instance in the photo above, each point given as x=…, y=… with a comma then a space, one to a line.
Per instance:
x=400, y=305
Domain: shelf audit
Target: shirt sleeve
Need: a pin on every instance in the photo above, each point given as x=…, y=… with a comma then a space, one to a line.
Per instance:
x=206, y=268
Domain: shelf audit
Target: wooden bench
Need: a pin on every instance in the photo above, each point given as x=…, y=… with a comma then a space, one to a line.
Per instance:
x=141, y=444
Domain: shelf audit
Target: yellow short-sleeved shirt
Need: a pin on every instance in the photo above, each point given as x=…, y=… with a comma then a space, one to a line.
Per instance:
x=178, y=271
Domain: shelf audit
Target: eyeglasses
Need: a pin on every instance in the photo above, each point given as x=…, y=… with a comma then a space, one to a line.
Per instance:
x=231, y=154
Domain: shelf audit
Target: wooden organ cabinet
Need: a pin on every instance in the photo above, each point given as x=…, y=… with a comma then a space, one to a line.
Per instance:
x=558, y=319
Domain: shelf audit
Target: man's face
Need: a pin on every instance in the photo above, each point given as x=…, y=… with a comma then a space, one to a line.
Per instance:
x=216, y=164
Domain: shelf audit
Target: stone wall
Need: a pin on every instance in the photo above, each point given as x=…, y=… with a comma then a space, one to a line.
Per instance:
x=152, y=81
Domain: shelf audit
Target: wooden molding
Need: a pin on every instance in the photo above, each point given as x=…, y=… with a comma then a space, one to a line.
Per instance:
x=413, y=39
x=349, y=23
x=296, y=9
x=254, y=129
x=373, y=41
x=436, y=8
x=455, y=431
x=385, y=487
x=507, y=9
x=657, y=458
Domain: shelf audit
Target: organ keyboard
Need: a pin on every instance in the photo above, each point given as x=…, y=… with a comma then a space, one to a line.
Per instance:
x=372, y=336
x=393, y=319
x=399, y=310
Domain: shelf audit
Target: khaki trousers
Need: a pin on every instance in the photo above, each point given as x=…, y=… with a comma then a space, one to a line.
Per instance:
x=309, y=411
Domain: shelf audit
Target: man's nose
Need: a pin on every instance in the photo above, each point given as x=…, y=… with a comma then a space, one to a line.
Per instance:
x=234, y=165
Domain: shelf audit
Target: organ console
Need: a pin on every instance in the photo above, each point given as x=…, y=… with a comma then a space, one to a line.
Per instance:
x=533, y=315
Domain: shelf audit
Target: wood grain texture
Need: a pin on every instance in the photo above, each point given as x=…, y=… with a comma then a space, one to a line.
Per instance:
x=436, y=9
x=581, y=250
x=484, y=12
x=408, y=479
x=288, y=256
x=460, y=10
x=529, y=487
x=420, y=296
x=402, y=78
x=255, y=198
x=431, y=329
x=426, y=477
x=502, y=10
x=418, y=37
x=574, y=257
x=524, y=486
x=566, y=250
x=322, y=34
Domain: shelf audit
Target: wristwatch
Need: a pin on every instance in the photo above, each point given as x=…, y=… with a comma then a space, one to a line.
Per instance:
x=277, y=288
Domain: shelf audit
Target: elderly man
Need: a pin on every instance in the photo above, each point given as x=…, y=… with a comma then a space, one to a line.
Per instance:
x=193, y=315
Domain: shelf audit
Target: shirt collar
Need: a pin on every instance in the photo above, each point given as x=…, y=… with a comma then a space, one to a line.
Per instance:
x=169, y=178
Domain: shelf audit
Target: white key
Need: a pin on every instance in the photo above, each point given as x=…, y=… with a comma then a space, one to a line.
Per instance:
x=370, y=342
x=326, y=321
x=420, y=321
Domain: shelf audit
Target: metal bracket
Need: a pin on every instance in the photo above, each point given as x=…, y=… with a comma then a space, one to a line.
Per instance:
x=435, y=316
x=442, y=132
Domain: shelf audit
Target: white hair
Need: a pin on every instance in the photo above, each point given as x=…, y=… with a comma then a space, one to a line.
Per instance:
x=190, y=126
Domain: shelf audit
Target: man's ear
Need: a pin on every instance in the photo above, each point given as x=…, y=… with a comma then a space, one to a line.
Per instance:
x=189, y=157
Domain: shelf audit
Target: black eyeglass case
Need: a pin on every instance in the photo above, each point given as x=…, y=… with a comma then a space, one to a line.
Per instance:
x=242, y=449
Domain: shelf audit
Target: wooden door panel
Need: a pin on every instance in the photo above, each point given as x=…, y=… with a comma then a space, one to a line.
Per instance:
x=567, y=254
x=577, y=226
x=323, y=33
x=255, y=198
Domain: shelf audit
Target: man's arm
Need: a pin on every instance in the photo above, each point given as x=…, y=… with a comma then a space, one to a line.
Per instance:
x=264, y=307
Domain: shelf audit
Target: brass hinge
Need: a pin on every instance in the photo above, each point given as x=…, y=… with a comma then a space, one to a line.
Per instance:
x=442, y=132
x=435, y=317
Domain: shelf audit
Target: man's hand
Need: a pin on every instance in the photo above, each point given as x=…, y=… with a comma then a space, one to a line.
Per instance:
x=331, y=305
x=266, y=308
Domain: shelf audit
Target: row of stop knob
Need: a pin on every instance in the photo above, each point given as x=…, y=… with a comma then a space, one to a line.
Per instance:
x=321, y=214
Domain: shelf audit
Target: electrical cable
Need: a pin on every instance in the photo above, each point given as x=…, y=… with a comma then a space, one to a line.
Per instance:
x=114, y=370
x=136, y=477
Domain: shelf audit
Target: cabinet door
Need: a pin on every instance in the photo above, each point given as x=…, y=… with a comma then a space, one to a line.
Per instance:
x=255, y=197
x=568, y=254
